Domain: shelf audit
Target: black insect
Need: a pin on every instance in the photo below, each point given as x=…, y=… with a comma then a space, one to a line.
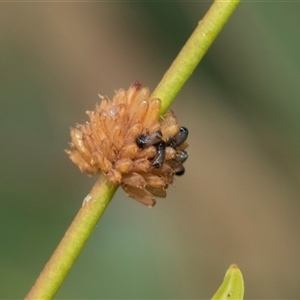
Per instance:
x=177, y=162
x=145, y=140
x=181, y=156
x=155, y=139
x=179, y=138
x=181, y=172
x=159, y=157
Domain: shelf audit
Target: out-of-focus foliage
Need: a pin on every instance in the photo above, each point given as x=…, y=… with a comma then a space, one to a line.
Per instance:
x=239, y=199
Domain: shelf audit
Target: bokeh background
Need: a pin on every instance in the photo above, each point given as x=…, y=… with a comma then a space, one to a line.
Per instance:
x=239, y=201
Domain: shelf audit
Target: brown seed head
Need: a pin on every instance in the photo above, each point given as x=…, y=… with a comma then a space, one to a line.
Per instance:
x=107, y=143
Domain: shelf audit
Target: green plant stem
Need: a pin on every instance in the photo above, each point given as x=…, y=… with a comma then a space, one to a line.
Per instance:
x=193, y=51
x=91, y=211
x=73, y=241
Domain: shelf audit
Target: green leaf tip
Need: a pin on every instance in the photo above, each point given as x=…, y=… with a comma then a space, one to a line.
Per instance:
x=232, y=286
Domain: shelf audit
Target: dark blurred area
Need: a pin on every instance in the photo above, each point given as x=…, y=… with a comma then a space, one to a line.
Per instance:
x=239, y=199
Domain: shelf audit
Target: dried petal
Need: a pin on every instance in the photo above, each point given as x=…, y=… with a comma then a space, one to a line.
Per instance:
x=157, y=192
x=129, y=151
x=133, y=132
x=117, y=137
x=83, y=166
x=152, y=114
x=147, y=153
x=114, y=176
x=169, y=131
x=134, y=179
x=120, y=97
x=105, y=103
x=89, y=142
x=108, y=150
x=154, y=181
x=153, y=128
x=170, y=153
x=124, y=165
x=132, y=92
x=141, y=165
x=141, y=195
x=138, y=112
x=76, y=137
x=104, y=164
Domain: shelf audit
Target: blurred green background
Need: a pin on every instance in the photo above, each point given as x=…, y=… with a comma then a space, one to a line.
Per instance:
x=239, y=199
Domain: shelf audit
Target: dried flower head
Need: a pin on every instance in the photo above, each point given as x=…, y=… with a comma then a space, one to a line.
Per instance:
x=128, y=141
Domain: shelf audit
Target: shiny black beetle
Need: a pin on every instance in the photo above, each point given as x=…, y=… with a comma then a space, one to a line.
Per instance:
x=155, y=139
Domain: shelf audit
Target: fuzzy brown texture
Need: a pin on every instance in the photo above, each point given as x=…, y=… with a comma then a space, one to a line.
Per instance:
x=107, y=143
